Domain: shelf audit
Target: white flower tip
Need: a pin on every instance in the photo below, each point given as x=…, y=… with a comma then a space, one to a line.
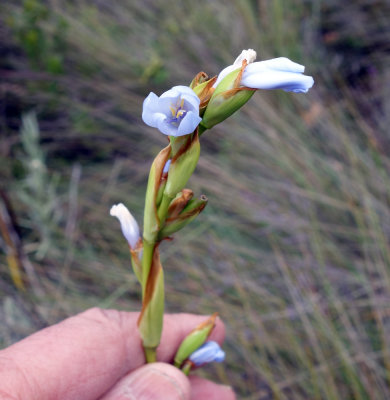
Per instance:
x=118, y=209
x=129, y=225
x=248, y=55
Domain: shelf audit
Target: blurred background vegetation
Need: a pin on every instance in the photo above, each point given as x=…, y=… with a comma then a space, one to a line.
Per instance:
x=293, y=248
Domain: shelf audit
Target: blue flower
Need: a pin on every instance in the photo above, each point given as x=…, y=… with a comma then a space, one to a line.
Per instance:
x=174, y=113
x=208, y=352
x=278, y=73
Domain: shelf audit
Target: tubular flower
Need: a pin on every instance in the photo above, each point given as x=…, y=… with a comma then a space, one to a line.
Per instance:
x=174, y=113
x=278, y=73
x=129, y=225
x=209, y=352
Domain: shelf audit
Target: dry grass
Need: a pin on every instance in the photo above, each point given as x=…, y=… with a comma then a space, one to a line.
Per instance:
x=293, y=248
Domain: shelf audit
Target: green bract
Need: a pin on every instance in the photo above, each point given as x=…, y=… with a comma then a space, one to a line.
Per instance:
x=151, y=221
x=189, y=213
x=194, y=340
x=226, y=100
x=182, y=167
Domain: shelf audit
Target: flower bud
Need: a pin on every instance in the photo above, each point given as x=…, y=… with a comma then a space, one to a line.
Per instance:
x=176, y=222
x=207, y=353
x=194, y=340
x=199, y=79
x=129, y=225
x=204, y=89
x=179, y=203
x=227, y=98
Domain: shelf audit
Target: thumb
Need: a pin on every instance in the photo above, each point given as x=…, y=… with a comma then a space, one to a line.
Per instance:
x=157, y=381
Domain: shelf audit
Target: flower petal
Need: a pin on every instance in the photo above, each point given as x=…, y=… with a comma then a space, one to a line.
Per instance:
x=158, y=119
x=165, y=104
x=166, y=128
x=129, y=225
x=188, y=124
x=288, y=81
x=191, y=103
x=178, y=91
x=208, y=352
x=150, y=106
x=276, y=64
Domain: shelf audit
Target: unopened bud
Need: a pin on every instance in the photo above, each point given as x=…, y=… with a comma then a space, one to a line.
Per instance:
x=204, y=89
x=174, y=223
x=199, y=79
x=227, y=98
x=179, y=202
x=194, y=340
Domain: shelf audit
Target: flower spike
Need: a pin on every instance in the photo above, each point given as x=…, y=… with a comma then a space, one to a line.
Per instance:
x=184, y=113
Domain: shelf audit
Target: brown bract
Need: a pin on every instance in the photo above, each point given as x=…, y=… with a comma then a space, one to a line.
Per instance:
x=151, y=283
x=178, y=204
x=207, y=90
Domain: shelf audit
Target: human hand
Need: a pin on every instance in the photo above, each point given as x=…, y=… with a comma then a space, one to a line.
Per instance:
x=98, y=355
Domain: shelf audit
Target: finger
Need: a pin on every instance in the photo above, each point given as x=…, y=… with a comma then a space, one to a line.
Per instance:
x=157, y=381
x=205, y=389
x=83, y=356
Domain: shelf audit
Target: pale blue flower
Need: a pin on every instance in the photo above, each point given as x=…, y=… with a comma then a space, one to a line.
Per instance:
x=174, y=113
x=278, y=73
x=208, y=352
x=128, y=223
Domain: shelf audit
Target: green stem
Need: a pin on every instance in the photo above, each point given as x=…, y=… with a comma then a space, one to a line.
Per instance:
x=201, y=129
x=186, y=368
x=163, y=209
x=150, y=354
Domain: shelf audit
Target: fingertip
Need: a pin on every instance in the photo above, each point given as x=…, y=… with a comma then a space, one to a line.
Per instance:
x=218, y=333
x=205, y=389
x=151, y=382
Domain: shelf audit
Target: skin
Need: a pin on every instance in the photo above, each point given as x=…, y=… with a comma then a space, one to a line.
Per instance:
x=98, y=355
